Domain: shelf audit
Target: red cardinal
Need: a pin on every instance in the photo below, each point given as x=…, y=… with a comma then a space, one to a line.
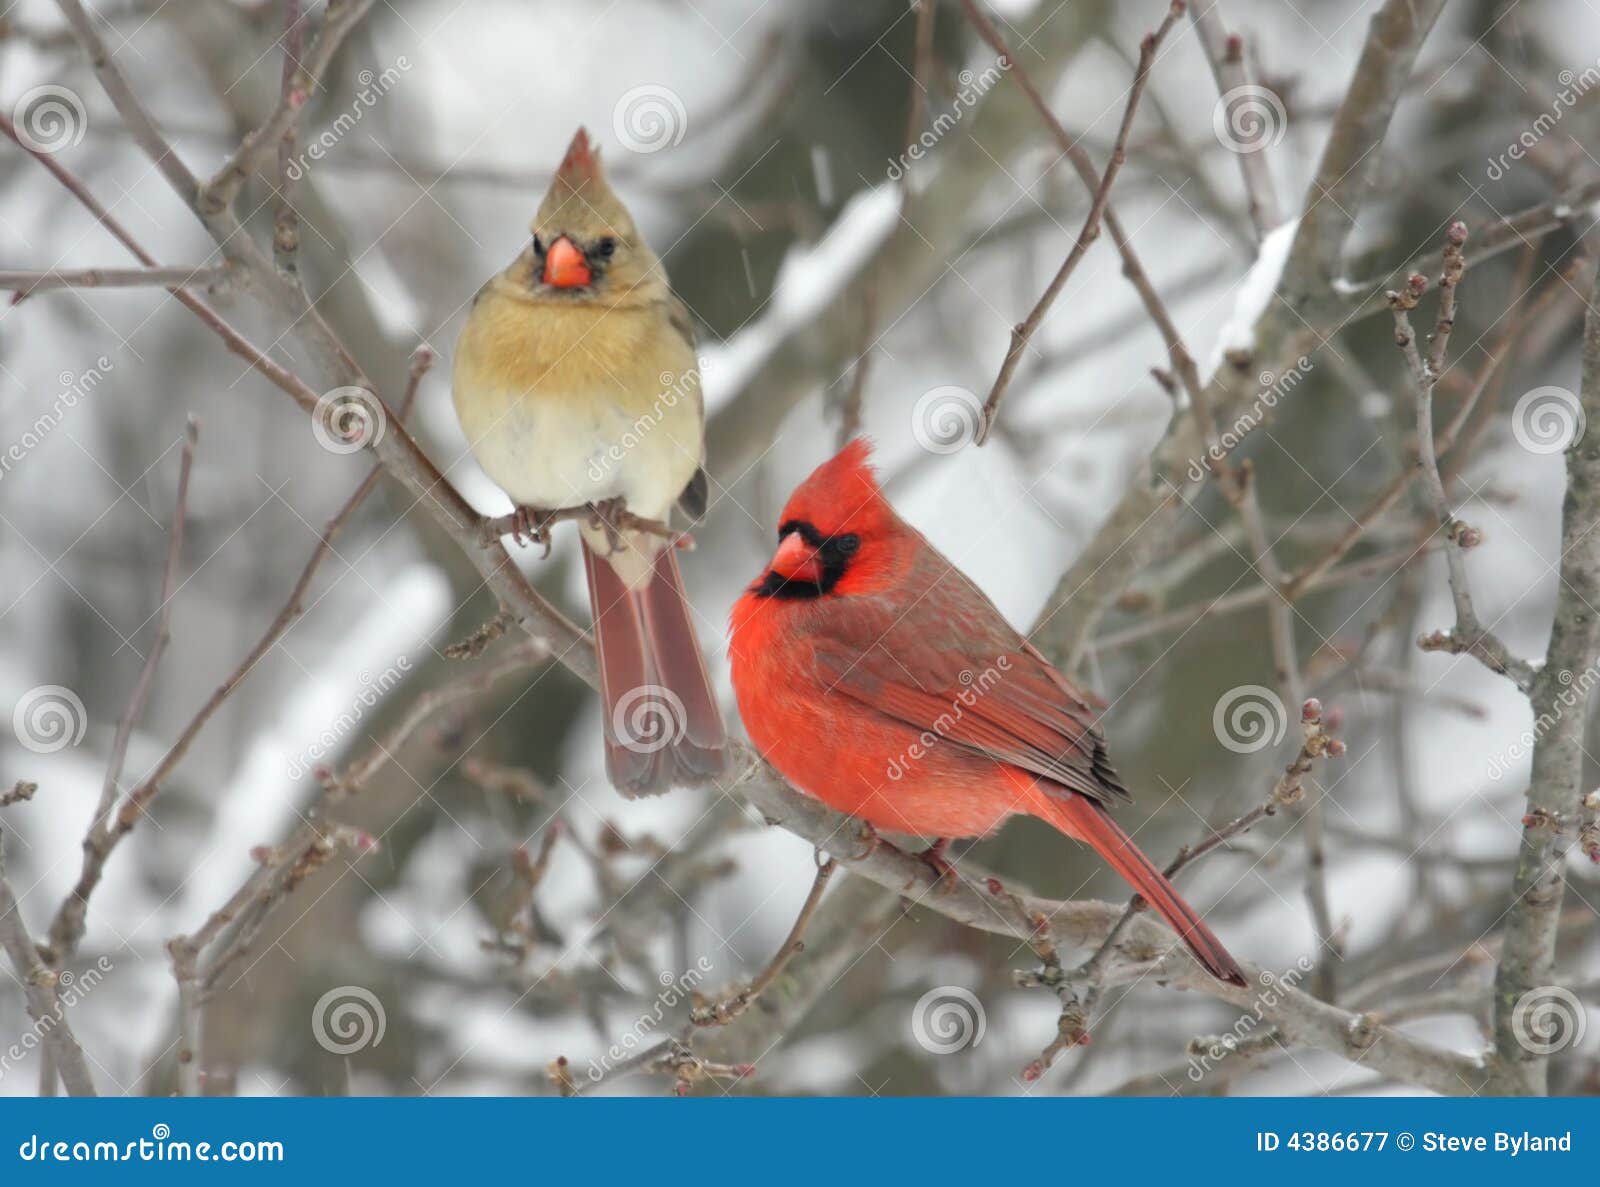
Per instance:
x=879, y=679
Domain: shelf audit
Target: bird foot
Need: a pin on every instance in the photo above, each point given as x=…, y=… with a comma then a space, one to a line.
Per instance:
x=945, y=873
x=530, y=525
x=870, y=840
x=604, y=514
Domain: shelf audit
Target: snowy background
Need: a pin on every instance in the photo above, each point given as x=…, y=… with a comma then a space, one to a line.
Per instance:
x=770, y=202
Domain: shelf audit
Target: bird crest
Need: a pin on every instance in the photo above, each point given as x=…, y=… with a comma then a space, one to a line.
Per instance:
x=580, y=199
x=842, y=494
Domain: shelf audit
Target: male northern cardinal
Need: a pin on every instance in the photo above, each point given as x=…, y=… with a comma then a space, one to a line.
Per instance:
x=576, y=383
x=876, y=677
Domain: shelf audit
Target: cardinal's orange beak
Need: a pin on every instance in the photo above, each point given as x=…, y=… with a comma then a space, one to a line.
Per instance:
x=796, y=560
x=565, y=267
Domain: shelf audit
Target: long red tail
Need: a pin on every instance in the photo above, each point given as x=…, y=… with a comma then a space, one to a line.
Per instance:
x=662, y=727
x=1087, y=821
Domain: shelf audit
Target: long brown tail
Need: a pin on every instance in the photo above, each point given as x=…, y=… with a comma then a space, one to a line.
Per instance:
x=1087, y=821
x=662, y=727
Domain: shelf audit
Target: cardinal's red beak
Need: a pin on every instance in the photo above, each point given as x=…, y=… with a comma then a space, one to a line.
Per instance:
x=796, y=560
x=565, y=267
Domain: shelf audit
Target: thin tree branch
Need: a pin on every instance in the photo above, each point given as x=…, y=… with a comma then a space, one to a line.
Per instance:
x=1559, y=700
x=1225, y=52
x=25, y=284
x=1469, y=635
x=1088, y=233
x=219, y=192
x=39, y=983
x=725, y=1010
x=66, y=930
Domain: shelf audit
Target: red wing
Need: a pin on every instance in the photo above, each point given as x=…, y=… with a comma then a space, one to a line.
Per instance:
x=1008, y=706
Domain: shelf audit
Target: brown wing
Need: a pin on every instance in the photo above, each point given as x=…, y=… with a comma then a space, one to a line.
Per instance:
x=692, y=502
x=943, y=660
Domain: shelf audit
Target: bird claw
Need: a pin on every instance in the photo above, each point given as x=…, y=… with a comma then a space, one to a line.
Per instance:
x=870, y=840
x=602, y=514
x=945, y=877
x=532, y=526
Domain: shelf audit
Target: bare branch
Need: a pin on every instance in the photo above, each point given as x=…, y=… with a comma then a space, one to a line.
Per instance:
x=725, y=1010
x=1469, y=635
x=1555, y=796
x=25, y=284
x=39, y=983
x=1088, y=233
x=1225, y=52
x=219, y=192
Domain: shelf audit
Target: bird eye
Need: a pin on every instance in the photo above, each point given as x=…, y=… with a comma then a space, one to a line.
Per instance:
x=847, y=545
x=606, y=247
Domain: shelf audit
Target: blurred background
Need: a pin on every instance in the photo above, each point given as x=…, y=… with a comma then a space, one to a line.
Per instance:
x=500, y=905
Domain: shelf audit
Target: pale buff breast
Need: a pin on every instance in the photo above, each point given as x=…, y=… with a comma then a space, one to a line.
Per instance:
x=567, y=406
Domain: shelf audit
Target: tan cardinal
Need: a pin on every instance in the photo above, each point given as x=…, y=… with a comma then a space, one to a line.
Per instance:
x=576, y=383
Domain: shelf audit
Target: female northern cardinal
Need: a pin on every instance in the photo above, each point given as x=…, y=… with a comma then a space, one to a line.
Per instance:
x=880, y=680
x=576, y=383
